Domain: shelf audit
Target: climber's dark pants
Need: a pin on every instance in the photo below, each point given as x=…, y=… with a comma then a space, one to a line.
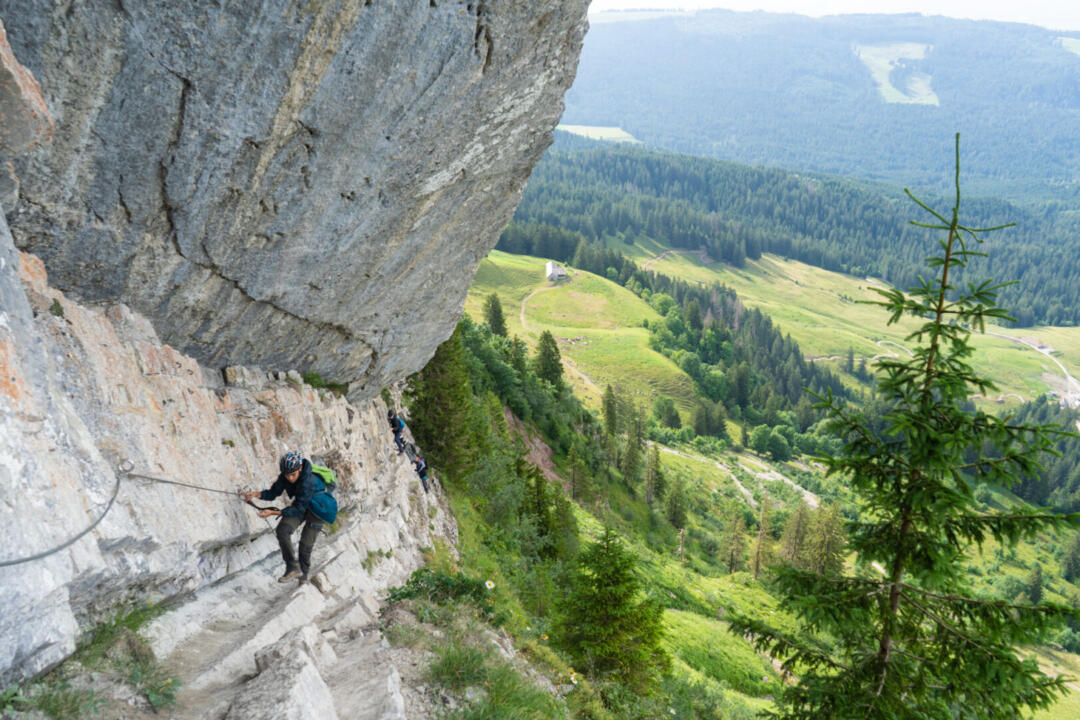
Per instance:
x=399, y=441
x=285, y=529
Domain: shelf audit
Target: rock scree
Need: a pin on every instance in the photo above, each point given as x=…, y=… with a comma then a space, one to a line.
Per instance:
x=291, y=185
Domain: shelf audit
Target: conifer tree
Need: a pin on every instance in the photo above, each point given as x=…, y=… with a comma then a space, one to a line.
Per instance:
x=604, y=624
x=675, y=506
x=579, y=480
x=548, y=361
x=610, y=409
x=631, y=461
x=733, y=547
x=826, y=541
x=763, y=544
x=443, y=416
x=493, y=315
x=1035, y=585
x=1070, y=563
x=519, y=353
x=917, y=643
x=793, y=541
x=654, y=477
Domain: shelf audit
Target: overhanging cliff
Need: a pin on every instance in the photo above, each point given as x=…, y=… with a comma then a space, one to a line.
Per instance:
x=258, y=187
x=294, y=185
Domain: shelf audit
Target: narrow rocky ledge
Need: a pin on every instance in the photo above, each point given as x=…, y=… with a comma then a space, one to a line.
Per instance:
x=86, y=388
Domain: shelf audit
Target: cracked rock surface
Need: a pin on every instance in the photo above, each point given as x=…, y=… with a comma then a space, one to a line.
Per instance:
x=293, y=185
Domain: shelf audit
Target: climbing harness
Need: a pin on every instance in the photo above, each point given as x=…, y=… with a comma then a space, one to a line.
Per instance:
x=126, y=467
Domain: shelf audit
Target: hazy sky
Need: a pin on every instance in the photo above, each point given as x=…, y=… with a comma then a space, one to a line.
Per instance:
x=1057, y=14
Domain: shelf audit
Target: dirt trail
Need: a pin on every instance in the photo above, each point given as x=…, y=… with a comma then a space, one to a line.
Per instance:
x=880, y=343
x=584, y=378
x=690, y=456
x=1071, y=391
x=566, y=362
x=767, y=474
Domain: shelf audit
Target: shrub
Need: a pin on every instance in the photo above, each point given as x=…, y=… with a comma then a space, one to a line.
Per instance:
x=442, y=587
x=458, y=666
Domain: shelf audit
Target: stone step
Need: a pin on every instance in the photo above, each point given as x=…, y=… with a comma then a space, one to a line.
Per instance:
x=289, y=688
x=211, y=642
x=364, y=682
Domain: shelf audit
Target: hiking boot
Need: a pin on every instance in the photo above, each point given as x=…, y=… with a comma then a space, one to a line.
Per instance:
x=290, y=573
x=304, y=579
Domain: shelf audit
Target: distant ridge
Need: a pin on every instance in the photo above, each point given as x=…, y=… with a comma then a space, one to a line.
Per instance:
x=828, y=95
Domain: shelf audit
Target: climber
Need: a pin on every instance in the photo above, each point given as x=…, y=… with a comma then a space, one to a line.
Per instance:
x=296, y=479
x=421, y=469
x=398, y=426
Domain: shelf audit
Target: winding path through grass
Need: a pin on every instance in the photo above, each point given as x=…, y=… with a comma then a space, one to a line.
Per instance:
x=1072, y=387
x=700, y=458
x=565, y=360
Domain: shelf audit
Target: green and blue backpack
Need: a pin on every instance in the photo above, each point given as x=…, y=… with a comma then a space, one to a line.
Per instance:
x=323, y=504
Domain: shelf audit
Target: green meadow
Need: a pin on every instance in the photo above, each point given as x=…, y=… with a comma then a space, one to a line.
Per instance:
x=600, y=132
x=598, y=325
x=599, y=328
x=825, y=312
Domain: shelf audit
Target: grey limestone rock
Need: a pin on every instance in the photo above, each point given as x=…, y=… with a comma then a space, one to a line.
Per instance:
x=287, y=184
x=289, y=689
x=82, y=389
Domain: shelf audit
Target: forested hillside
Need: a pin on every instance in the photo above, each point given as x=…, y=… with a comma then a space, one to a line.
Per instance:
x=620, y=565
x=870, y=96
x=600, y=193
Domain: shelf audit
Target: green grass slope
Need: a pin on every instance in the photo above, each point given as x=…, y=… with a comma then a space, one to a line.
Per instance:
x=823, y=312
x=597, y=324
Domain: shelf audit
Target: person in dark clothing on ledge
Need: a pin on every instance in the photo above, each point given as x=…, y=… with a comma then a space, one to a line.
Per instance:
x=397, y=426
x=296, y=479
x=421, y=470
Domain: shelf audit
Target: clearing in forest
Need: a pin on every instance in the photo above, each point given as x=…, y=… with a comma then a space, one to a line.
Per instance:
x=598, y=325
x=896, y=82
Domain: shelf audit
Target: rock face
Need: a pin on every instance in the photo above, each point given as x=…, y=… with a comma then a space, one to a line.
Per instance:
x=83, y=389
x=286, y=184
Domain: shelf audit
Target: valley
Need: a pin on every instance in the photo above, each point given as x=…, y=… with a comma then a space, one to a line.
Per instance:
x=598, y=325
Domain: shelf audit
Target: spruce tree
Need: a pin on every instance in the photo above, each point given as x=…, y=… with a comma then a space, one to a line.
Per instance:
x=443, y=416
x=610, y=409
x=793, y=541
x=733, y=547
x=603, y=622
x=519, y=353
x=493, y=315
x=579, y=479
x=654, y=477
x=763, y=545
x=1035, y=585
x=632, y=458
x=916, y=642
x=675, y=506
x=1070, y=563
x=548, y=362
x=826, y=541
